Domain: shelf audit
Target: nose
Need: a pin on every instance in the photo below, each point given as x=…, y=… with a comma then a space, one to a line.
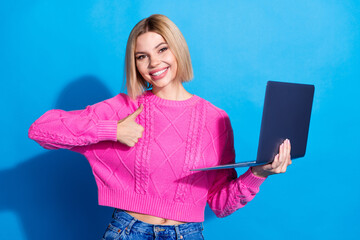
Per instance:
x=154, y=61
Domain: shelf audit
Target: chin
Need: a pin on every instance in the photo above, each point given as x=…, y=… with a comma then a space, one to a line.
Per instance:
x=161, y=83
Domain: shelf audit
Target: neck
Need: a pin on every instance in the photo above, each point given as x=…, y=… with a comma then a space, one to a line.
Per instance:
x=175, y=92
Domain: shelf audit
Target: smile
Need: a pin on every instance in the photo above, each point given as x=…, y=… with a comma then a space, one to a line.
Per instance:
x=158, y=73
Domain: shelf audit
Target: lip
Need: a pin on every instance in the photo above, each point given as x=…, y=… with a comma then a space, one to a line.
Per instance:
x=157, y=70
x=153, y=77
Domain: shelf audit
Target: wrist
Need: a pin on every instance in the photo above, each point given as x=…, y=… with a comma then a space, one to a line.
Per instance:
x=259, y=172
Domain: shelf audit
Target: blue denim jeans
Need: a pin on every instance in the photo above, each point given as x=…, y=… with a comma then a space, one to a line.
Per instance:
x=124, y=226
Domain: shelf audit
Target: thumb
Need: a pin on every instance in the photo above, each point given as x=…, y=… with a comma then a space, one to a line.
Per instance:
x=137, y=112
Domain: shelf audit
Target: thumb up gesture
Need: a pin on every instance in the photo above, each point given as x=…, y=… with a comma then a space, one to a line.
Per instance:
x=128, y=131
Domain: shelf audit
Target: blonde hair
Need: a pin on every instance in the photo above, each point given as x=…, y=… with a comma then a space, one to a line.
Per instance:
x=162, y=25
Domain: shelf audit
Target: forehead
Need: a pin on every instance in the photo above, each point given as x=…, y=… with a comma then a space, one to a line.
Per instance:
x=148, y=41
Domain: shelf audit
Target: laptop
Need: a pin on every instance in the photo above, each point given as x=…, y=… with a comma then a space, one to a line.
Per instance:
x=286, y=115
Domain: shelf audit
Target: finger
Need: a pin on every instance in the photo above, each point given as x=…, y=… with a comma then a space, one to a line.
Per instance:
x=286, y=156
x=134, y=141
x=141, y=128
x=284, y=166
x=282, y=149
x=282, y=152
x=137, y=112
x=139, y=135
x=282, y=159
x=289, y=146
x=276, y=163
x=277, y=159
x=288, y=152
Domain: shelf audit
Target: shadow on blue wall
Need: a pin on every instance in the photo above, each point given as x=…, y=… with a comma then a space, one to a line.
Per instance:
x=54, y=194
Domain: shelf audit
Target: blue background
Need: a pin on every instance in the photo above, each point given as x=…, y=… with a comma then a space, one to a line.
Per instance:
x=69, y=54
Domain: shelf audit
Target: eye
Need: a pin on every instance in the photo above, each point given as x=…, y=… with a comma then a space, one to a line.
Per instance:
x=140, y=57
x=163, y=49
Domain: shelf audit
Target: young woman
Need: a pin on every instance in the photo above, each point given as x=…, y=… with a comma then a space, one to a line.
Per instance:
x=142, y=146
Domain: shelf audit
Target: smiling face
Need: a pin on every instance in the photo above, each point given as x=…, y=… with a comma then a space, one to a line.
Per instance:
x=155, y=61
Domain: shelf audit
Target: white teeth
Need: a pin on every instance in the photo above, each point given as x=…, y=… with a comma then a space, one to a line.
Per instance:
x=159, y=72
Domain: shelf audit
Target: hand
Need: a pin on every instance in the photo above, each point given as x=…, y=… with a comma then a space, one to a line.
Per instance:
x=128, y=131
x=281, y=161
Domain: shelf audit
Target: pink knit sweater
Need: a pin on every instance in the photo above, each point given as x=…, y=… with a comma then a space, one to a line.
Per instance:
x=154, y=176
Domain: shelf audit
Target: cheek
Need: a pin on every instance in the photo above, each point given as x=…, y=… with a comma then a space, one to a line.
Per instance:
x=174, y=66
x=141, y=68
x=172, y=60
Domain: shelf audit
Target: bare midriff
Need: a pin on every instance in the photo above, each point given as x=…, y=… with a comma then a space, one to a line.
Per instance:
x=153, y=220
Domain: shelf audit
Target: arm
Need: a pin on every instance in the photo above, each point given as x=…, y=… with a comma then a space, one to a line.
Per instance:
x=229, y=193
x=76, y=130
x=61, y=129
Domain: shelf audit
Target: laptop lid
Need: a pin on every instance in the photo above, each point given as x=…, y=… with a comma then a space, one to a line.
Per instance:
x=286, y=114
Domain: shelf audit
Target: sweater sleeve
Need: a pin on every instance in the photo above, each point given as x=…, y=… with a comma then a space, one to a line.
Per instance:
x=229, y=193
x=75, y=130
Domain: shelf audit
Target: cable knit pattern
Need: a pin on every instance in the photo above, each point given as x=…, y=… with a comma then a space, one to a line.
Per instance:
x=143, y=151
x=154, y=176
x=192, y=156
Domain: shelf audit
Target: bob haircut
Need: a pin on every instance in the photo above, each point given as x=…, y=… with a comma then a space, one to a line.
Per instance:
x=162, y=25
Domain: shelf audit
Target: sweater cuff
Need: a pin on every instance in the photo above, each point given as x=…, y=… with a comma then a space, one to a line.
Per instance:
x=107, y=130
x=250, y=180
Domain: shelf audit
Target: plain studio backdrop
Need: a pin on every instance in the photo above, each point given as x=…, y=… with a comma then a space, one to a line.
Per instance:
x=69, y=54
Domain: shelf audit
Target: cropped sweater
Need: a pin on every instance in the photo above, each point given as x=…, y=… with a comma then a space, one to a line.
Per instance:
x=154, y=176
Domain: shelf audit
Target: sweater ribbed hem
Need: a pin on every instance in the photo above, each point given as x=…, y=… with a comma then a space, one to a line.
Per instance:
x=250, y=180
x=107, y=130
x=146, y=204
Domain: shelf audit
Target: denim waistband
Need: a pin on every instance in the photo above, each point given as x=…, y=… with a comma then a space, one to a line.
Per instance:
x=130, y=223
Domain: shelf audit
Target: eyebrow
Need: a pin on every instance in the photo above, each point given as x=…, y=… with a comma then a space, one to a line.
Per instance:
x=154, y=47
